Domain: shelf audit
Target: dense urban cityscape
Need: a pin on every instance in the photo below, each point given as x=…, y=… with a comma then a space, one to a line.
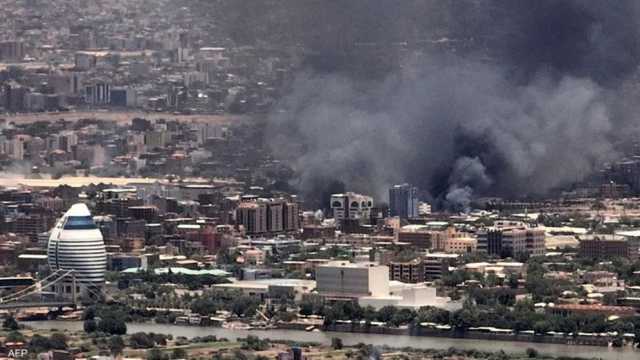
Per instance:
x=299, y=179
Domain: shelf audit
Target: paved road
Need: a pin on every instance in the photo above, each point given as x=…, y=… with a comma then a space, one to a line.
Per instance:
x=121, y=116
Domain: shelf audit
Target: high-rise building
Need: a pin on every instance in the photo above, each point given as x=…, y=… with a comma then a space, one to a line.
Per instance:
x=31, y=225
x=403, y=201
x=14, y=148
x=267, y=216
x=11, y=51
x=275, y=209
x=253, y=217
x=290, y=218
x=77, y=244
x=98, y=93
x=14, y=97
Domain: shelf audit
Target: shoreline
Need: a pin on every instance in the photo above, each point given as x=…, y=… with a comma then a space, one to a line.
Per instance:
x=597, y=341
x=416, y=333
x=350, y=339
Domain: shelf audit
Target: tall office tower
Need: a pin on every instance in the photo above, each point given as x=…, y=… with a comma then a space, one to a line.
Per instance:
x=403, y=201
x=290, y=216
x=76, y=244
x=267, y=216
x=14, y=97
x=253, y=216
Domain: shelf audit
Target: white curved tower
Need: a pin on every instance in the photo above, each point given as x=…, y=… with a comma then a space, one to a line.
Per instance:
x=76, y=244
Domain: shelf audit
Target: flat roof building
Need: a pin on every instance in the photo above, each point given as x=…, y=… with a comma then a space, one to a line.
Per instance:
x=600, y=246
x=345, y=280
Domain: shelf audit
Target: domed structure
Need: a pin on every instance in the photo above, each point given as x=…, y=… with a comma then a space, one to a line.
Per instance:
x=77, y=244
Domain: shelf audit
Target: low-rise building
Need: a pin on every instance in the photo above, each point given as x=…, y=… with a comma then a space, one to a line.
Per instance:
x=407, y=271
x=601, y=246
x=510, y=239
x=461, y=245
x=569, y=309
x=500, y=268
x=271, y=288
x=412, y=296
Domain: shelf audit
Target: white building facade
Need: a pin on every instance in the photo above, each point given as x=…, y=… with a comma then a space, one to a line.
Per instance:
x=76, y=244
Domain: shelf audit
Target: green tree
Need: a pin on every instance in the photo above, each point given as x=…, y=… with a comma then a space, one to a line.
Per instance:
x=116, y=345
x=513, y=281
x=255, y=343
x=244, y=306
x=112, y=325
x=369, y=314
x=403, y=316
x=386, y=313
x=179, y=353
x=89, y=313
x=204, y=305
x=38, y=343
x=491, y=279
x=10, y=323
x=455, y=277
x=58, y=341
x=369, y=352
x=636, y=339
x=156, y=354
x=466, y=317
x=532, y=353
x=336, y=343
x=238, y=354
x=541, y=327
x=15, y=336
x=90, y=326
x=141, y=340
x=306, y=308
x=432, y=314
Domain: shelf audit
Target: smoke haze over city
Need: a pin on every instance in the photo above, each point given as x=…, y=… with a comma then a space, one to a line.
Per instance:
x=512, y=100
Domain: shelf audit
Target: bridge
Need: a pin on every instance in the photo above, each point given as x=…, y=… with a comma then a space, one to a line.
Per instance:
x=48, y=304
x=36, y=295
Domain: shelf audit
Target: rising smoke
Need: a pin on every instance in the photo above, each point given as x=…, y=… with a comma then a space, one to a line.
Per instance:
x=528, y=97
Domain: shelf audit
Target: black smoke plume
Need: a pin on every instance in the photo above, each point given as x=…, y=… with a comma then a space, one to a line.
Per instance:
x=461, y=98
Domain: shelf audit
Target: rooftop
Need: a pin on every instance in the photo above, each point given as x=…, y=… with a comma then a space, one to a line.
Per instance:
x=180, y=270
x=79, y=209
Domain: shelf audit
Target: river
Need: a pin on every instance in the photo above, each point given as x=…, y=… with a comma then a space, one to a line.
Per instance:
x=373, y=339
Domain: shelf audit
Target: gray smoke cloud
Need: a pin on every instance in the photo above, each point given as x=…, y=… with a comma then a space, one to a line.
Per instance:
x=548, y=109
x=439, y=120
x=468, y=174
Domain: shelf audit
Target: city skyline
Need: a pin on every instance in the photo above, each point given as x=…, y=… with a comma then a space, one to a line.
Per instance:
x=305, y=180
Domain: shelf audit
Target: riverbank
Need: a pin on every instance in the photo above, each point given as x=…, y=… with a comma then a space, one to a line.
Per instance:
x=351, y=339
x=479, y=334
